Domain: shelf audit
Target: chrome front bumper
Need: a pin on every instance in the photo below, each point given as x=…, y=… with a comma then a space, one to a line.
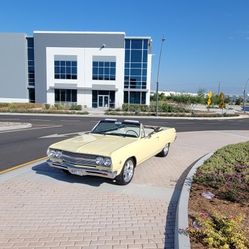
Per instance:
x=82, y=171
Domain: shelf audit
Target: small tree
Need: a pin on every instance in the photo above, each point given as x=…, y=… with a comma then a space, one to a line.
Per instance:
x=209, y=100
x=222, y=101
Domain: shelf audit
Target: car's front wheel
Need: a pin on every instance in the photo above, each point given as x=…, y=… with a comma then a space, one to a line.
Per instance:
x=127, y=172
x=165, y=151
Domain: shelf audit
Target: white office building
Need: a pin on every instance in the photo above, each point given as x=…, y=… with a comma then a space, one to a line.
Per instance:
x=92, y=69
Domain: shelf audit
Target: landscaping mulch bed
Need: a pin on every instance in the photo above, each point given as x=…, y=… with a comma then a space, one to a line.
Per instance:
x=198, y=204
x=219, y=200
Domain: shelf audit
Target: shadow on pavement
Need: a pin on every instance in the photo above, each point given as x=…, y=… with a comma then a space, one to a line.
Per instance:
x=171, y=213
x=60, y=175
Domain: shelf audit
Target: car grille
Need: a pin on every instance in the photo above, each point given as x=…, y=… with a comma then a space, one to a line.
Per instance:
x=78, y=159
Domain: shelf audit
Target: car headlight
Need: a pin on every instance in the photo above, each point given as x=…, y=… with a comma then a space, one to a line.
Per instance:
x=99, y=160
x=103, y=161
x=54, y=153
x=107, y=161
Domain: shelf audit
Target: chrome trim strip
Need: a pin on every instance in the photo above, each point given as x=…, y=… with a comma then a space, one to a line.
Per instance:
x=87, y=171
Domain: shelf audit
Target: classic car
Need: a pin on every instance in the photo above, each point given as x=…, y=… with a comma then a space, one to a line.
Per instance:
x=112, y=149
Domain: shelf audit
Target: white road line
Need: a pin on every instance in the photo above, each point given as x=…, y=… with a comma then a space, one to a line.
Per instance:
x=37, y=119
x=10, y=119
x=73, y=120
x=34, y=128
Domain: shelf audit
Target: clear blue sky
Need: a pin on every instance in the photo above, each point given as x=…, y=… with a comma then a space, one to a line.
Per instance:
x=207, y=41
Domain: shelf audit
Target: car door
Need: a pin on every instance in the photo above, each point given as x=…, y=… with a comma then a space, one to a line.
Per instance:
x=148, y=146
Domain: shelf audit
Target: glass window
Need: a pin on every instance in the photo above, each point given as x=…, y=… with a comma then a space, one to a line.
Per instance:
x=74, y=70
x=65, y=96
x=95, y=70
x=125, y=97
x=32, y=95
x=134, y=97
x=112, y=71
x=107, y=71
x=136, y=56
x=143, y=100
x=136, y=44
x=143, y=84
x=145, y=53
x=31, y=54
x=127, y=71
x=103, y=70
x=30, y=41
x=145, y=44
x=65, y=69
x=74, y=96
x=31, y=63
x=135, y=65
x=127, y=55
x=127, y=44
x=135, y=71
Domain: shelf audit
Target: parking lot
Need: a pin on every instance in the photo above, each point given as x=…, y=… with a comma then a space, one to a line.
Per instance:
x=42, y=207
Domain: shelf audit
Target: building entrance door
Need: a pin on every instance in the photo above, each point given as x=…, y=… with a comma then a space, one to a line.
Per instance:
x=103, y=101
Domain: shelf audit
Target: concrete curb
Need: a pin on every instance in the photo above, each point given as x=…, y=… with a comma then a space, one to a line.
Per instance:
x=182, y=240
x=120, y=116
x=14, y=126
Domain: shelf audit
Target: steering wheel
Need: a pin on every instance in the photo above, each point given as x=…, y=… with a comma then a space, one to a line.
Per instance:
x=132, y=131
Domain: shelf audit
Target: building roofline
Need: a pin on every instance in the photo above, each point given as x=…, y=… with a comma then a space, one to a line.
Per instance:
x=77, y=32
x=138, y=37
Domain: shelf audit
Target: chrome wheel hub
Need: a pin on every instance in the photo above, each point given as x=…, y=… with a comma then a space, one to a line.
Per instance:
x=128, y=170
x=166, y=149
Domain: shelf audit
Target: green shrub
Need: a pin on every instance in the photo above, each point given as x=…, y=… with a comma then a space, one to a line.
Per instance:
x=59, y=106
x=47, y=106
x=228, y=171
x=75, y=107
x=217, y=231
x=4, y=105
x=135, y=108
x=162, y=107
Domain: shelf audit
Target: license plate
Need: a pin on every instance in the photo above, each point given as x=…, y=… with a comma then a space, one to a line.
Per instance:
x=78, y=172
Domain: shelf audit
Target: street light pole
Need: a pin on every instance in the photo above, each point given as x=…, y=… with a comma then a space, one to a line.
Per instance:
x=244, y=96
x=158, y=70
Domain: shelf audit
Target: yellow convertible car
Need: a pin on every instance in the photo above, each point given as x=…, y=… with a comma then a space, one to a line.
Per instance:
x=111, y=149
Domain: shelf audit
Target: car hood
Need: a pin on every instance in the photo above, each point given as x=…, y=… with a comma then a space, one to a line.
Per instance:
x=93, y=144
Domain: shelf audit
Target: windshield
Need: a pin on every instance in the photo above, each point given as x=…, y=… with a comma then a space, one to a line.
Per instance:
x=116, y=128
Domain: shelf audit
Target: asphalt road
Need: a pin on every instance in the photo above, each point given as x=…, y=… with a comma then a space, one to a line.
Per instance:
x=21, y=146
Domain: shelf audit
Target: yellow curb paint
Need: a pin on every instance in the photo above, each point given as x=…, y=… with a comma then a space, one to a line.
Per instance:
x=22, y=165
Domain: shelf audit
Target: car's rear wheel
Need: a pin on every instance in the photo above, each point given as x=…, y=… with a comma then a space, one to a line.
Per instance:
x=127, y=172
x=165, y=151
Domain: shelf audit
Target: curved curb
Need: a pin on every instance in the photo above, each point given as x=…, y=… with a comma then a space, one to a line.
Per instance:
x=15, y=126
x=182, y=240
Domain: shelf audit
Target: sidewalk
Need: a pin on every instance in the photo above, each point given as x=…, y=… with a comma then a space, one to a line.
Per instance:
x=42, y=207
